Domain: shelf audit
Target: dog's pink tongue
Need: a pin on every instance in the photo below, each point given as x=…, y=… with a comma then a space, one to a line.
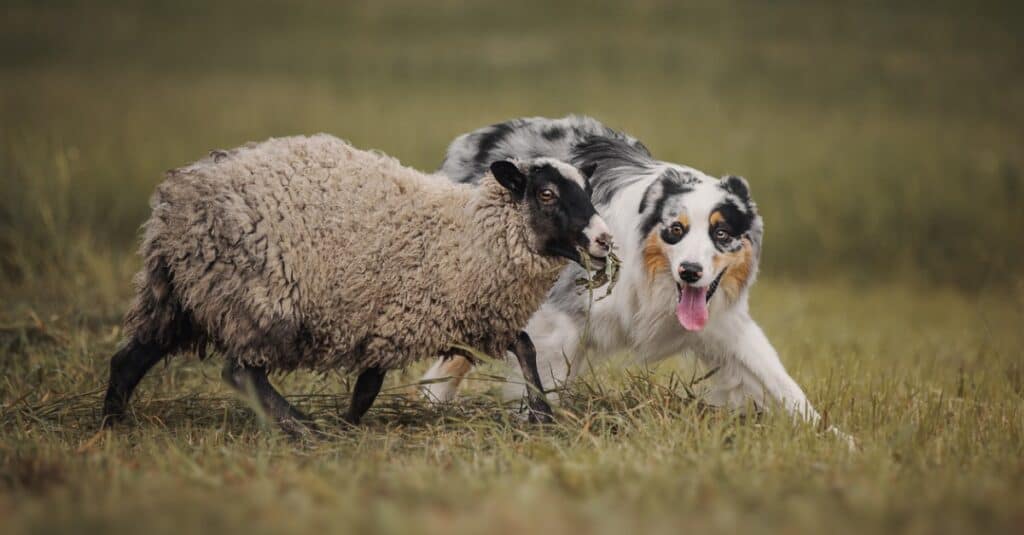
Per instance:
x=692, y=309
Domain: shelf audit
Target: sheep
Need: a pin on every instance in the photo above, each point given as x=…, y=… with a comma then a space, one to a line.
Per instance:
x=305, y=252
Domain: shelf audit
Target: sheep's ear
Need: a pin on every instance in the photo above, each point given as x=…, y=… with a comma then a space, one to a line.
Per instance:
x=509, y=175
x=588, y=170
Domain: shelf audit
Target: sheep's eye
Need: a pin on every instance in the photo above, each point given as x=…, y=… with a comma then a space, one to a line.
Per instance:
x=546, y=196
x=722, y=235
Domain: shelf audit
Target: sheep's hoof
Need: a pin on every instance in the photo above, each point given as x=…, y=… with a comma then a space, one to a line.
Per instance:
x=349, y=422
x=301, y=429
x=540, y=418
x=540, y=413
x=109, y=420
x=114, y=412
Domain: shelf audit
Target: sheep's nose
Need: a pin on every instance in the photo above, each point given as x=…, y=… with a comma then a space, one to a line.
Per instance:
x=604, y=242
x=690, y=272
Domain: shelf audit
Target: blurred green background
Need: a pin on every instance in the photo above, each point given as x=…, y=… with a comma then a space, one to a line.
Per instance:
x=882, y=141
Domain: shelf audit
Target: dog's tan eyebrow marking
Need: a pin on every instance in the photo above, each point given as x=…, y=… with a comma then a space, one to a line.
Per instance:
x=716, y=217
x=684, y=219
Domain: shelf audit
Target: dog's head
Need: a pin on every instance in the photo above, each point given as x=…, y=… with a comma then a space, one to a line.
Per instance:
x=704, y=233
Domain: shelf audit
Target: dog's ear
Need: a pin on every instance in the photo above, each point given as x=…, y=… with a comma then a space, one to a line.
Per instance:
x=738, y=186
x=669, y=183
x=651, y=195
x=508, y=175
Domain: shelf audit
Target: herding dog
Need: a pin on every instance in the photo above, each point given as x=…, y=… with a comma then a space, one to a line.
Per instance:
x=689, y=244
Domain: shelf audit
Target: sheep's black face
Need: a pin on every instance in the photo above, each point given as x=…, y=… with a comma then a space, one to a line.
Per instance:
x=557, y=199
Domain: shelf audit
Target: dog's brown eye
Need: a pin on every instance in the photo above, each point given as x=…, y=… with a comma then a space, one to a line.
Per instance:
x=546, y=196
x=673, y=233
x=722, y=235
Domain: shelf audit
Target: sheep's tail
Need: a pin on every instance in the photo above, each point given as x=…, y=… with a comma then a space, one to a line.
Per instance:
x=157, y=315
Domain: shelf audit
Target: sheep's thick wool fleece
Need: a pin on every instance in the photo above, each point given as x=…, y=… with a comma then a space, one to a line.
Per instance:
x=307, y=252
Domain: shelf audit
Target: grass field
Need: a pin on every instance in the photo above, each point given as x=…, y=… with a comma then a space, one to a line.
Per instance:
x=882, y=143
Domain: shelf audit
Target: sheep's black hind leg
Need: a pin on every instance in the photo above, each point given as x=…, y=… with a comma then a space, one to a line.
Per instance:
x=367, y=387
x=127, y=367
x=540, y=411
x=254, y=381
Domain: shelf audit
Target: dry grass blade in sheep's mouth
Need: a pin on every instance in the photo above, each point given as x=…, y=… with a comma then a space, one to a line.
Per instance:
x=608, y=275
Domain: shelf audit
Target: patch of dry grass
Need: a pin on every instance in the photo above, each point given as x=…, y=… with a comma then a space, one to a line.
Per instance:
x=934, y=399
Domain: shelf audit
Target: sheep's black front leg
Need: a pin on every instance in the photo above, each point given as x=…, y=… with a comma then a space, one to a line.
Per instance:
x=540, y=411
x=367, y=387
x=253, y=381
x=127, y=367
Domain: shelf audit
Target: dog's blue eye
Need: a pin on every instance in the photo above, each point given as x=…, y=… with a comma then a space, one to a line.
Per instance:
x=722, y=235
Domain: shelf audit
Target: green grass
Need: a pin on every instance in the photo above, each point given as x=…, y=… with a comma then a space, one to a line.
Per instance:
x=882, y=143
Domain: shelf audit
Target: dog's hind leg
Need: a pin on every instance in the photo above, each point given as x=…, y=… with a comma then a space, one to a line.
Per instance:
x=127, y=367
x=445, y=375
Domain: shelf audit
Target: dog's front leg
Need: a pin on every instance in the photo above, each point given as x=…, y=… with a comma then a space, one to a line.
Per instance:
x=764, y=376
x=752, y=370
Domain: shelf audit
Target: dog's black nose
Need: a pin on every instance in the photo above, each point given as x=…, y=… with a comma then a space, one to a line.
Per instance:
x=690, y=272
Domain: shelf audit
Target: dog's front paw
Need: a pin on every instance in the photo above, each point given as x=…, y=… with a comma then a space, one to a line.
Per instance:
x=850, y=442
